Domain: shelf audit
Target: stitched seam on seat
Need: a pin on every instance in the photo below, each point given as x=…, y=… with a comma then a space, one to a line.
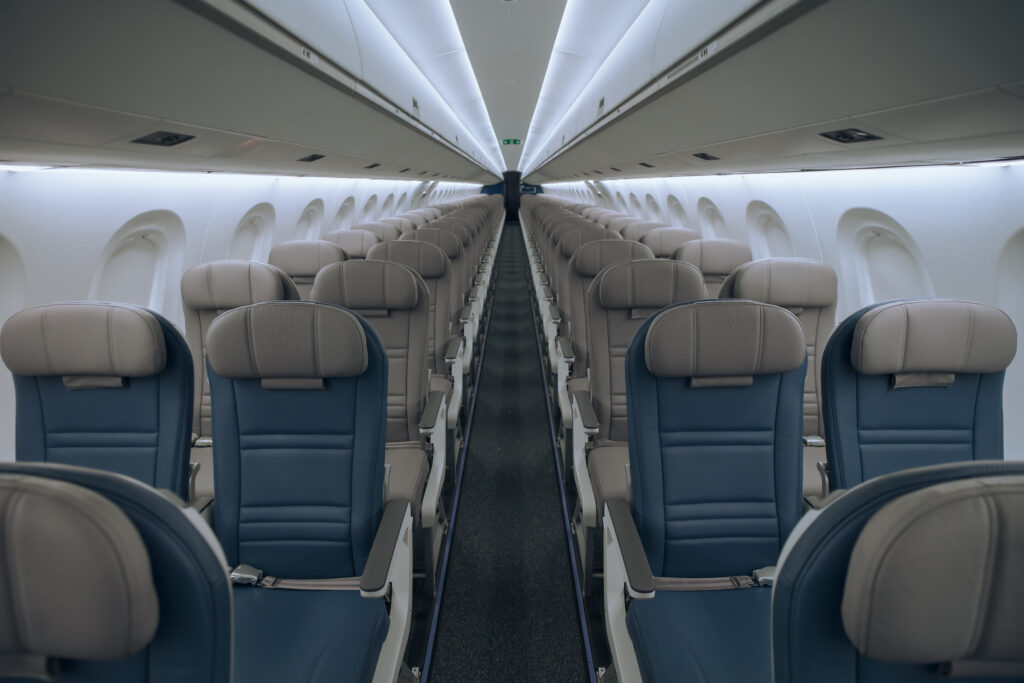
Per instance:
x=988, y=580
x=970, y=338
x=110, y=341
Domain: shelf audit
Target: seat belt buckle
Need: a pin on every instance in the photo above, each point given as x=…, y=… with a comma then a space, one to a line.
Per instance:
x=246, y=575
x=815, y=441
x=765, y=576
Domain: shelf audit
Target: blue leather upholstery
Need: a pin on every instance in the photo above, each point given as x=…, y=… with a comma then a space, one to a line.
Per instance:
x=716, y=471
x=300, y=473
x=716, y=476
x=193, y=640
x=142, y=430
x=321, y=636
x=808, y=640
x=872, y=429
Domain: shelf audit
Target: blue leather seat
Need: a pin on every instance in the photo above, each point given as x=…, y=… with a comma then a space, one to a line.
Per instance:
x=911, y=383
x=715, y=398
x=104, y=385
x=76, y=623
x=923, y=607
x=299, y=393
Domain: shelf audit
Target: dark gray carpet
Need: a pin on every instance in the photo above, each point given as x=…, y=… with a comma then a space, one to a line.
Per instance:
x=508, y=611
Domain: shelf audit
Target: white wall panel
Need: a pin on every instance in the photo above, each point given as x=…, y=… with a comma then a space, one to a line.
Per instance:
x=81, y=234
x=944, y=231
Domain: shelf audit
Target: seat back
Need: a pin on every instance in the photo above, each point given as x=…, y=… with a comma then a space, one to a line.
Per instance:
x=299, y=393
x=714, y=390
x=808, y=289
x=432, y=264
x=715, y=258
x=664, y=242
x=395, y=301
x=355, y=243
x=209, y=289
x=908, y=578
x=636, y=230
x=619, y=300
x=102, y=385
x=453, y=241
x=586, y=262
x=112, y=578
x=383, y=231
x=567, y=242
x=403, y=224
x=911, y=383
x=303, y=259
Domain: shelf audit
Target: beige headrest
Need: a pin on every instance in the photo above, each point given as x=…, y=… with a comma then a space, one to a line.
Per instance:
x=287, y=340
x=423, y=257
x=355, y=243
x=714, y=257
x=229, y=284
x=304, y=258
x=665, y=241
x=460, y=231
x=935, y=576
x=724, y=338
x=620, y=223
x=77, y=581
x=446, y=240
x=634, y=231
x=649, y=283
x=382, y=230
x=593, y=257
x=789, y=282
x=375, y=285
x=403, y=224
x=933, y=336
x=83, y=339
x=606, y=217
x=575, y=238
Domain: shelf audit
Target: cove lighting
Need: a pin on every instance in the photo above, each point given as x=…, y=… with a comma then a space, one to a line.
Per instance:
x=18, y=168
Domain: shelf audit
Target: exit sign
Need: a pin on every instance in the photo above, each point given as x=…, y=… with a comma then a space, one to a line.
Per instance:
x=510, y=141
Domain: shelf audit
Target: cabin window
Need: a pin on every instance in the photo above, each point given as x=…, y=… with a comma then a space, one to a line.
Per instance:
x=388, y=208
x=712, y=224
x=368, y=209
x=769, y=236
x=676, y=212
x=311, y=222
x=878, y=254
x=400, y=206
x=343, y=219
x=636, y=209
x=620, y=202
x=654, y=212
x=251, y=241
x=142, y=262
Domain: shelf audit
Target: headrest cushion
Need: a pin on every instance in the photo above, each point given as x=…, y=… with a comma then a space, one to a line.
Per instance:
x=460, y=231
x=446, y=240
x=355, y=243
x=304, y=258
x=575, y=238
x=789, y=282
x=287, y=339
x=665, y=241
x=382, y=230
x=648, y=283
x=367, y=284
x=933, y=336
x=84, y=339
x=714, y=257
x=593, y=257
x=78, y=571
x=724, y=338
x=935, y=575
x=221, y=285
x=422, y=257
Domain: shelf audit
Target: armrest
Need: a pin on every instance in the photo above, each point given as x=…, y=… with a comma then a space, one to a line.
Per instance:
x=203, y=442
x=465, y=314
x=373, y=582
x=639, y=578
x=555, y=314
x=582, y=403
x=564, y=348
x=547, y=293
x=452, y=351
x=814, y=440
x=431, y=411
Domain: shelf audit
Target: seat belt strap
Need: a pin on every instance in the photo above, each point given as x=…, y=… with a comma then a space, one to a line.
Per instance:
x=761, y=577
x=247, y=575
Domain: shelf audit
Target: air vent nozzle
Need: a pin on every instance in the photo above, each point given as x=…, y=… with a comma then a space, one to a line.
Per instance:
x=849, y=135
x=373, y=165
x=310, y=158
x=705, y=156
x=617, y=170
x=163, y=138
x=645, y=164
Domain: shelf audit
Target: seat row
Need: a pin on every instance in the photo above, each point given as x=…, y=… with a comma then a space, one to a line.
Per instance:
x=699, y=508
x=327, y=423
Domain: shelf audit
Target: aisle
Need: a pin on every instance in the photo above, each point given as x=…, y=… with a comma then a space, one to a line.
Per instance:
x=509, y=611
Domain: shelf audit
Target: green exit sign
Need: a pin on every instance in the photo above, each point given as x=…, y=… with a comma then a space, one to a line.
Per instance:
x=510, y=141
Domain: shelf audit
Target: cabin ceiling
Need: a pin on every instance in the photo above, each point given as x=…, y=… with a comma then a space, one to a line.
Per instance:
x=631, y=88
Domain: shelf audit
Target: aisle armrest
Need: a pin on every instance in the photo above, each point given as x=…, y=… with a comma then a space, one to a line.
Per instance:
x=639, y=578
x=373, y=583
x=434, y=429
x=584, y=427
